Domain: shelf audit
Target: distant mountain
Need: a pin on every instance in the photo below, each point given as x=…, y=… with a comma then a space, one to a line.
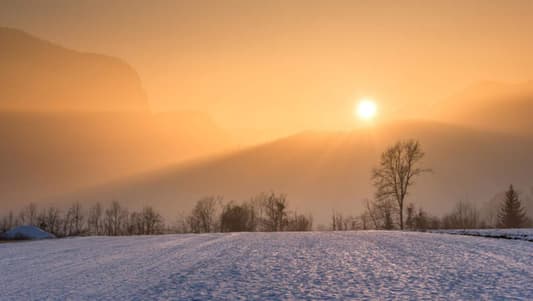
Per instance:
x=70, y=119
x=491, y=105
x=323, y=171
x=37, y=75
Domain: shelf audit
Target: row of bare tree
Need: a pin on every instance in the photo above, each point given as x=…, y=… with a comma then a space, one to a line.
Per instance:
x=396, y=173
x=96, y=220
x=265, y=212
x=464, y=215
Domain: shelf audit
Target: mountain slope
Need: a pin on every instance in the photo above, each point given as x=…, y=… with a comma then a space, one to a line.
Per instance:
x=37, y=75
x=322, y=172
x=50, y=153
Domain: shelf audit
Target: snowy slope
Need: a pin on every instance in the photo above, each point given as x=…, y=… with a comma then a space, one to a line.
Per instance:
x=521, y=234
x=26, y=232
x=272, y=266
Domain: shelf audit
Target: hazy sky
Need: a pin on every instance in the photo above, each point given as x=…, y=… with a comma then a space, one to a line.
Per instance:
x=295, y=64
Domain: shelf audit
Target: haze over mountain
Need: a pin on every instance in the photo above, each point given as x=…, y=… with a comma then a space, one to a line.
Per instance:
x=37, y=75
x=325, y=171
x=70, y=119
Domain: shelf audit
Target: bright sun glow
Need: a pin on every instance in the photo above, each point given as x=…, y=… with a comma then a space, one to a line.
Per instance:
x=366, y=109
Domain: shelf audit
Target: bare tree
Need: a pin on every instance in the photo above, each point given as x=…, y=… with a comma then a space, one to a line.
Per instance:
x=257, y=202
x=396, y=173
x=136, y=224
x=193, y=224
x=491, y=208
x=299, y=222
x=94, y=220
x=421, y=220
x=76, y=219
x=275, y=209
x=370, y=210
x=8, y=222
x=342, y=223
x=115, y=219
x=202, y=218
x=50, y=220
x=254, y=215
x=336, y=221
x=181, y=224
x=152, y=221
x=464, y=216
x=386, y=209
x=365, y=220
x=381, y=213
x=146, y=222
x=28, y=216
x=67, y=223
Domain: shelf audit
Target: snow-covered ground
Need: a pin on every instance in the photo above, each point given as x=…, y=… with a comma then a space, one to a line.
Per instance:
x=269, y=266
x=522, y=234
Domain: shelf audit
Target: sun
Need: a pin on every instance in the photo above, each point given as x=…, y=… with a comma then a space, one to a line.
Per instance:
x=366, y=109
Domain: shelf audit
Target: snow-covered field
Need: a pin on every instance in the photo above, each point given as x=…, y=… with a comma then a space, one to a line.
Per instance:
x=269, y=266
x=522, y=234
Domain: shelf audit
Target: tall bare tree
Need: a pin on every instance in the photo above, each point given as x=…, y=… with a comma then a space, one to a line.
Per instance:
x=275, y=209
x=50, y=220
x=370, y=209
x=398, y=168
x=94, y=220
x=365, y=220
x=152, y=221
x=77, y=219
x=115, y=219
x=28, y=216
x=8, y=222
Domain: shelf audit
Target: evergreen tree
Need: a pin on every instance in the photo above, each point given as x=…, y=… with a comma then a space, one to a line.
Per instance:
x=512, y=214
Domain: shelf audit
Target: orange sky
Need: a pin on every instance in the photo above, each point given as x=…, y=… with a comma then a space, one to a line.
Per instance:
x=294, y=64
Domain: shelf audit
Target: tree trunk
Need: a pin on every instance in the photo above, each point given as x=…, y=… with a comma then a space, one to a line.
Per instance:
x=401, y=217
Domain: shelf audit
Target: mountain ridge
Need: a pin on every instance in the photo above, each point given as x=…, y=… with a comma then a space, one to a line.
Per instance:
x=38, y=75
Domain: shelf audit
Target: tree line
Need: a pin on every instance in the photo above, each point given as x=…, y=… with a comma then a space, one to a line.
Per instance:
x=77, y=220
x=399, y=167
x=464, y=215
x=265, y=212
